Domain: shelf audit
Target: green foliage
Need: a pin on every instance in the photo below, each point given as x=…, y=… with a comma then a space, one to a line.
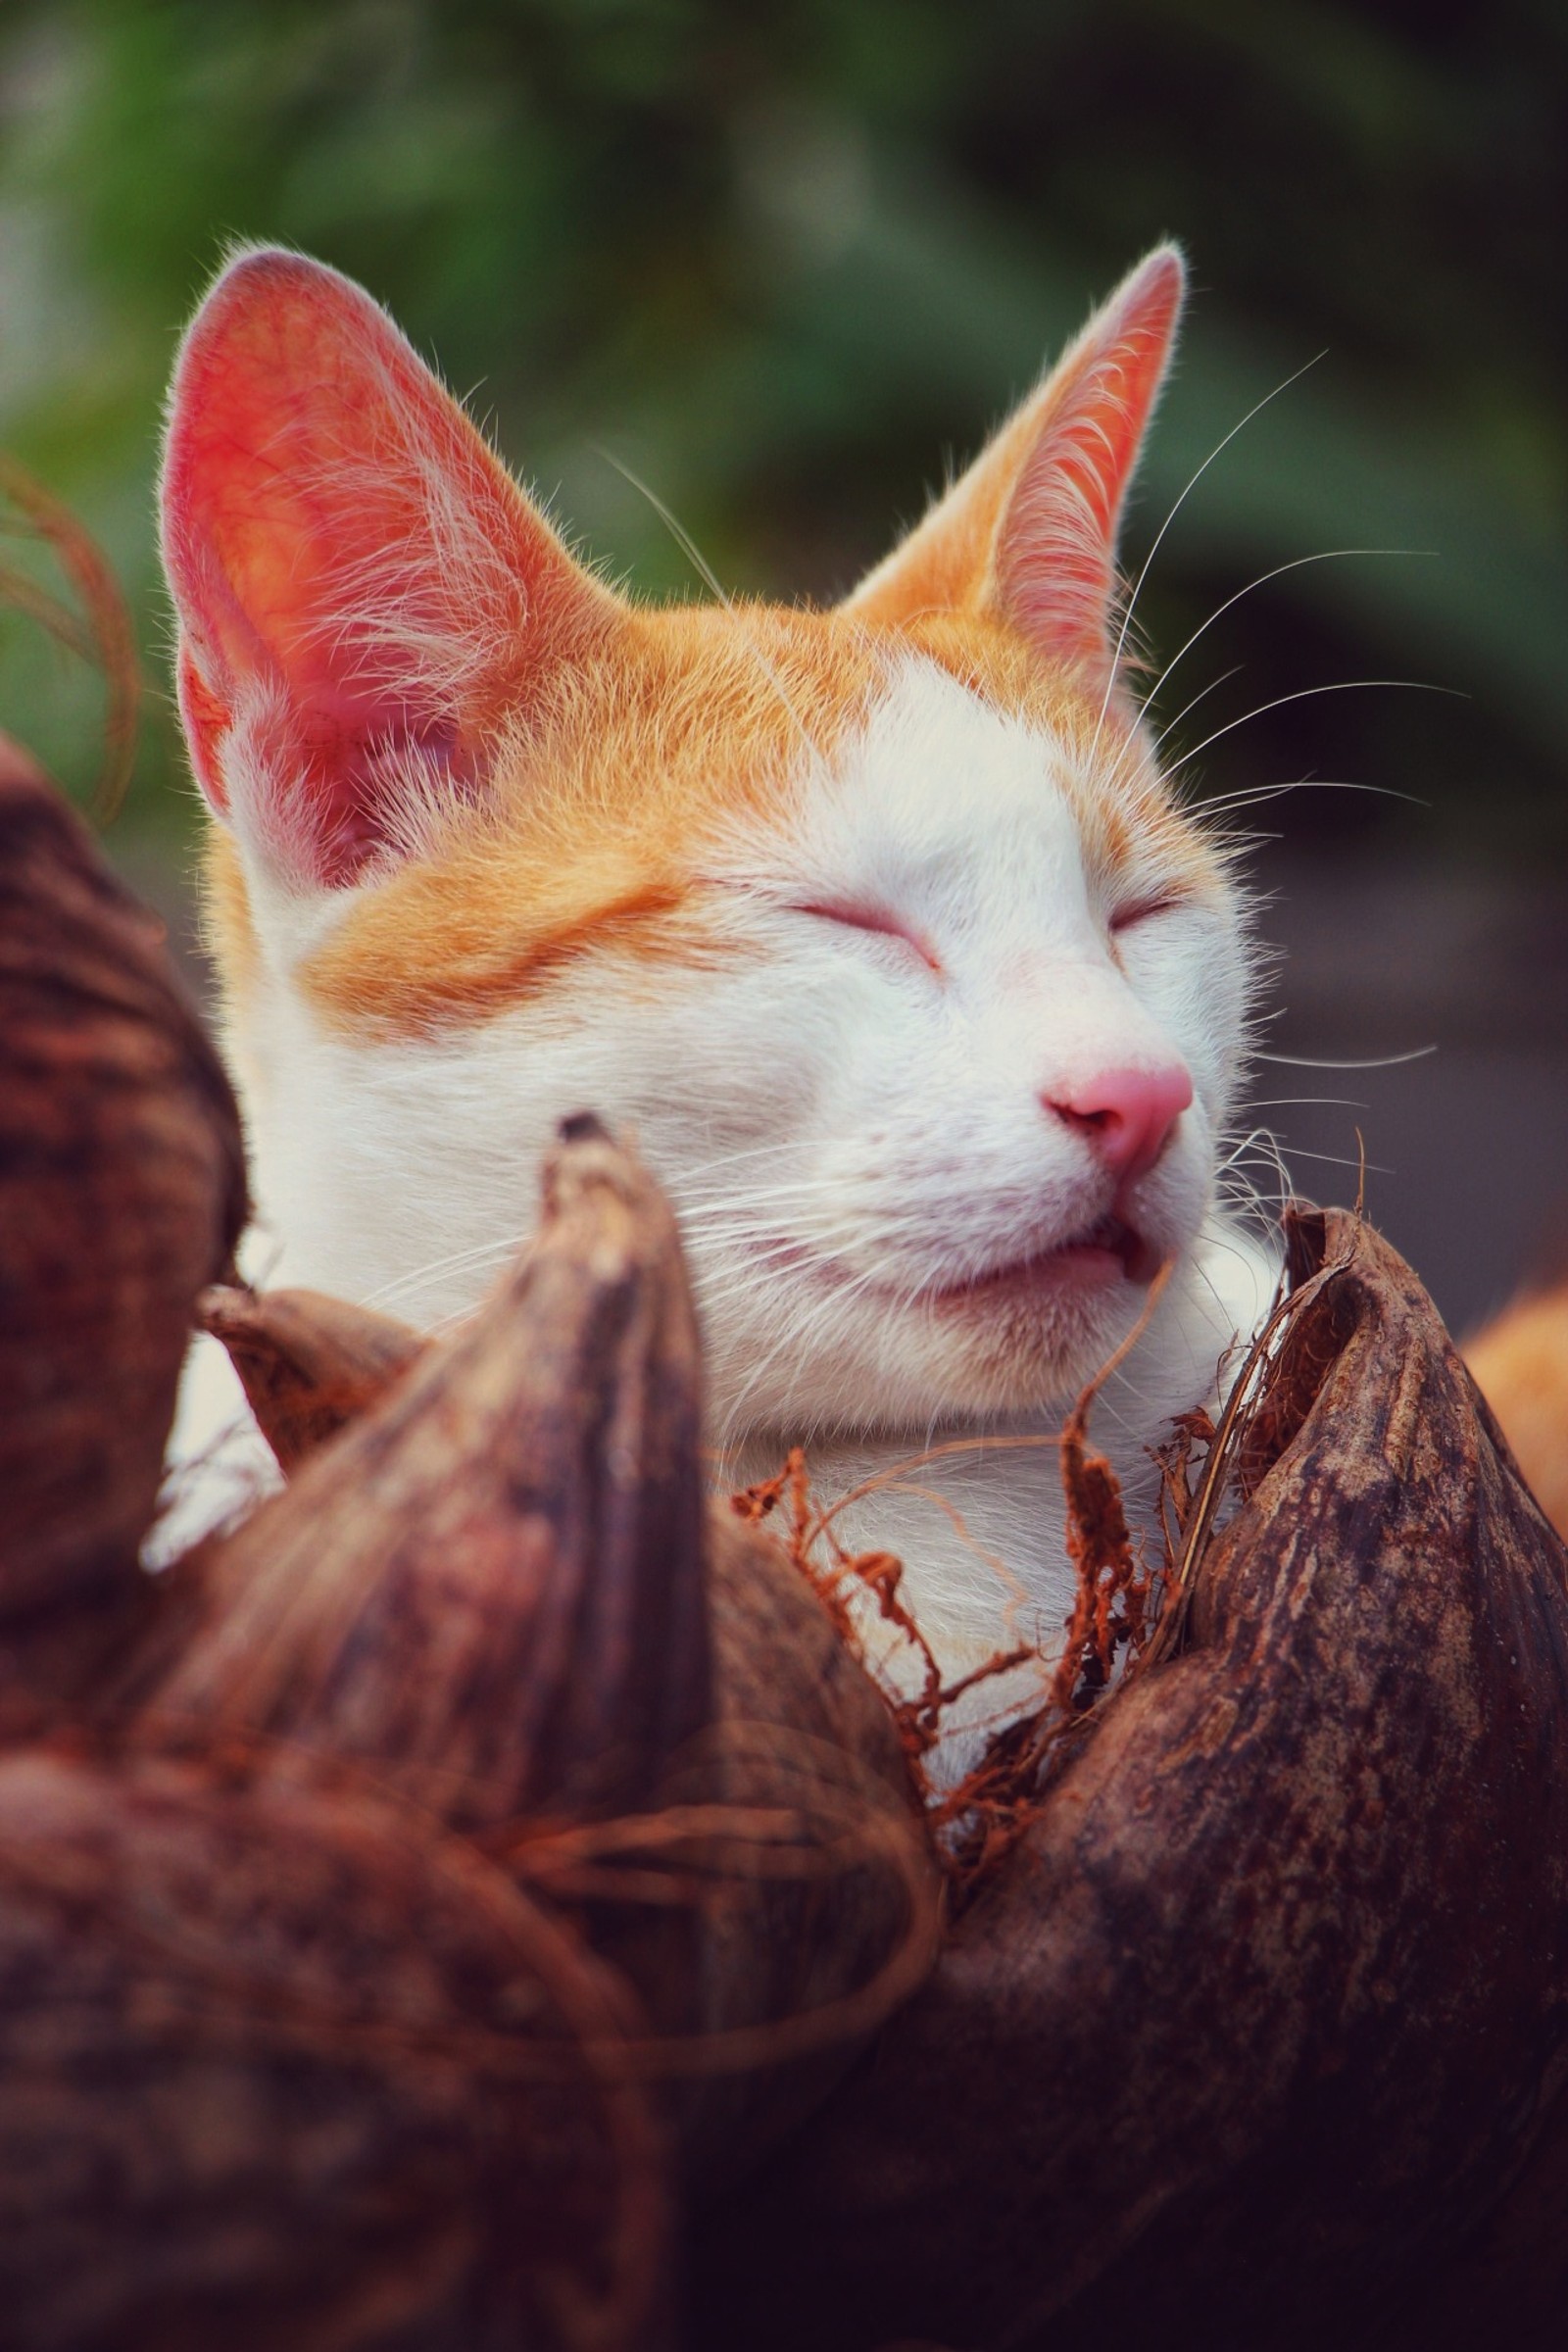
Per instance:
x=776, y=260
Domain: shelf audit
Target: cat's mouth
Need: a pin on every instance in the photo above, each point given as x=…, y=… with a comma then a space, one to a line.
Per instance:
x=1108, y=1248
x=1106, y=1251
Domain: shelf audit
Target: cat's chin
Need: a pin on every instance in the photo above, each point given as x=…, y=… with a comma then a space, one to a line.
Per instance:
x=1031, y=1335
x=1022, y=1338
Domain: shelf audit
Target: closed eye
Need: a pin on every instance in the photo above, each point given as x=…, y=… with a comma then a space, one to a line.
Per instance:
x=875, y=919
x=1145, y=911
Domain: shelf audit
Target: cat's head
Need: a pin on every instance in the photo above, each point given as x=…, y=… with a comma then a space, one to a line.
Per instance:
x=880, y=926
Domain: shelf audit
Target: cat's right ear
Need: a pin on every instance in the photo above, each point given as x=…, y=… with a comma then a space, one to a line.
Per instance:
x=1028, y=535
x=366, y=598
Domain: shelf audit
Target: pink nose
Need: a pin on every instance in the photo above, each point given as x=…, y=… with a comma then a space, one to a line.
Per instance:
x=1126, y=1115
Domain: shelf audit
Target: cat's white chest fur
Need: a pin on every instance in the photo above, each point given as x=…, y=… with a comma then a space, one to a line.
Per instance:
x=979, y=1522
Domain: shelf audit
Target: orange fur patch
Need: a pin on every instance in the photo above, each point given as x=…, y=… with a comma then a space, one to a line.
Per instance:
x=596, y=824
x=595, y=828
x=1520, y=1365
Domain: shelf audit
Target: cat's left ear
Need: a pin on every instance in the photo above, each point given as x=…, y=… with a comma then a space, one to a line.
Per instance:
x=368, y=601
x=1028, y=534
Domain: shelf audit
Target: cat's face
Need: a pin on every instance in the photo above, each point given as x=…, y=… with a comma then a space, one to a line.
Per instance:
x=879, y=926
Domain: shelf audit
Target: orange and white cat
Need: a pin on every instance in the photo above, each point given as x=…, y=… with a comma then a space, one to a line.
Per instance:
x=880, y=928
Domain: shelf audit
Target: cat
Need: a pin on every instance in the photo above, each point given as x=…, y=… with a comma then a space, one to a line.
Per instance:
x=878, y=927
x=1519, y=1361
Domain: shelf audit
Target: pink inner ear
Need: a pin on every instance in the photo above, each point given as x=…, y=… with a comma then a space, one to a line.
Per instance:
x=1056, y=555
x=358, y=577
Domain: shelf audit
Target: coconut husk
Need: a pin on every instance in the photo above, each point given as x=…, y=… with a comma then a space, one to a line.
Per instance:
x=283, y=2067
x=424, y=1597
x=122, y=1195
x=429, y=1874
x=309, y=1365
x=1269, y=2011
x=501, y=1589
x=1226, y=1750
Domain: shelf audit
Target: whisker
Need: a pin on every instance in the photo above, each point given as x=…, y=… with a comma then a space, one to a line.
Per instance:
x=726, y=1159
x=795, y=1335
x=1313, y=1062
x=1234, y=671
x=1131, y=601
x=1309, y=1101
x=1256, y=1136
x=457, y=1262
x=1337, y=1160
x=792, y=1188
x=1306, y=693
x=1327, y=555
x=1250, y=796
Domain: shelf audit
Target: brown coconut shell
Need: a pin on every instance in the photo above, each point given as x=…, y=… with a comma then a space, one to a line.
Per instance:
x=489, y=1589
x=122, y=1195
x=1268, y=2014
x=370, y=1909
x=283, y=2067
x=500, y=1590
x=309, y=1365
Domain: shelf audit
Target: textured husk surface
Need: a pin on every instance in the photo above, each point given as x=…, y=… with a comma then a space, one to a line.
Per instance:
x=1259, y=2034
x=123, y=1190
x=406, y=1899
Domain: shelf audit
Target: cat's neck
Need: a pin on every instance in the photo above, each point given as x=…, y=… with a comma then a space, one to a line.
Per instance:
x=977, y=1516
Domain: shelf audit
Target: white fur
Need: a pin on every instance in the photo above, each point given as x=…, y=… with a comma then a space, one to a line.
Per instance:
x=842, y=1128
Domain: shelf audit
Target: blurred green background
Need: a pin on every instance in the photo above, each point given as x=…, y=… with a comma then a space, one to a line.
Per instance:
x=786, y=261
x=783, y=260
